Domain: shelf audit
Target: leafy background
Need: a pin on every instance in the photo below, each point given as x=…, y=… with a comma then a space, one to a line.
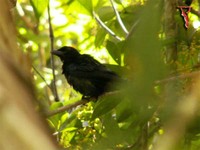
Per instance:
x=157, y=54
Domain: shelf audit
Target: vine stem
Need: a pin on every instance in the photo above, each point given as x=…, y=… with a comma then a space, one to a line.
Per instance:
x=106, y=27
x=51, y=36
x=119, y=18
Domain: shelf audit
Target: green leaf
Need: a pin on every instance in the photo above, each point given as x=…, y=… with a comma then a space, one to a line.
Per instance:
x=112, y=132
x=119, y=1
x=39, y=7
x=71, y=121
x=100, y=37
x=69, y=129
x=87, y=4
x=56, y=105
x=123, y=114
x=105, y=13
x=55, y=120
x=114, y=51
x=70, y=134
x=105, y=105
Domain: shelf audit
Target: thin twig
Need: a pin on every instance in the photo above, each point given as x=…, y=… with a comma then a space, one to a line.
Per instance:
x=51, y=36
x=181, y=76
x=41, y=77
x=119, y=18
x=132, y=29
x=105, y=27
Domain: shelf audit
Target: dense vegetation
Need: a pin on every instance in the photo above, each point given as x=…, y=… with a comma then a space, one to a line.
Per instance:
x=146, y=42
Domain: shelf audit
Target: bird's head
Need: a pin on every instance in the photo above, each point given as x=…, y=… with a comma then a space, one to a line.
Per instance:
x=66, y=53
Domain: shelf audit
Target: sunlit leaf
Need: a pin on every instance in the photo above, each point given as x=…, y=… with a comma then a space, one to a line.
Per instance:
x=114, y=51
x=106, y=13
x=55, y=120
x=105, y=105
x=87, y=4
x=100, y=37
x=71, y=121
x=39, y=6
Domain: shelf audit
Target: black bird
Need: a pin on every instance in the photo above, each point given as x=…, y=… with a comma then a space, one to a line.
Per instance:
x=85, y=74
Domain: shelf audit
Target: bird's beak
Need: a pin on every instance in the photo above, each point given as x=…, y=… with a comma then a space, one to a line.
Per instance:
x=56, y=52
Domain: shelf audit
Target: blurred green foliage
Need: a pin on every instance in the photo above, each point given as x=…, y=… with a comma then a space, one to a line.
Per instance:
x=133, y=118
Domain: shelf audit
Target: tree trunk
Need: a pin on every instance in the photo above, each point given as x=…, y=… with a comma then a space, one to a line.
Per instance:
x=21, y=127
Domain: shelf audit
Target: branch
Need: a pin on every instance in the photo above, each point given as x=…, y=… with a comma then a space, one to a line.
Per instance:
x=119, y=18
x=51, y=36
x=181, y=76
x=81, y=102
x=105, y=27
x=65, y=108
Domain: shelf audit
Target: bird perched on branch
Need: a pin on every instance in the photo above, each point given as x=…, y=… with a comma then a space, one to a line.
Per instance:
x=85, y=74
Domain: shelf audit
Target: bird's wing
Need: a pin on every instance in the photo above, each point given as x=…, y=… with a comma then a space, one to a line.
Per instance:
x=88, y=67
x=96, y=79
x=92, y=72
x=89, y=63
